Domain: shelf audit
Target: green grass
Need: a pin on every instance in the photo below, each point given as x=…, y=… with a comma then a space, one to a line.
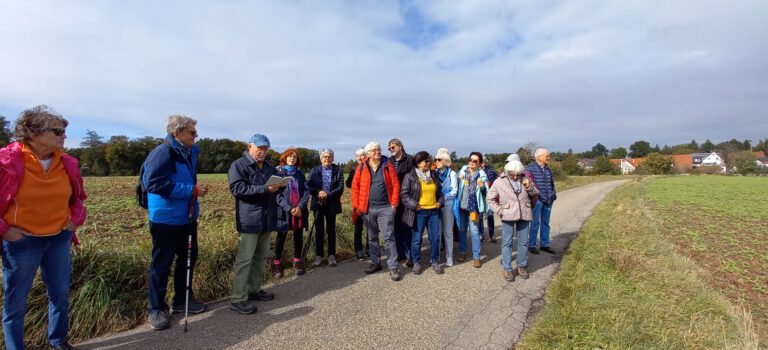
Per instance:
x=109, y=278
x=623, y=286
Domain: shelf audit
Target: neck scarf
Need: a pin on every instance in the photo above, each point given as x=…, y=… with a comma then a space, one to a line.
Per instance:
x=424, y=176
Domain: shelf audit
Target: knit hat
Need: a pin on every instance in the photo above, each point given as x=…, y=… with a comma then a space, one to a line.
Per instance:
x=512, y=157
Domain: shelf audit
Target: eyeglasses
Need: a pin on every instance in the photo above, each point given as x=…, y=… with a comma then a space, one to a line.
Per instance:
x=193, y=133
x=57, y=131
x=392, y=148
x=474, y=160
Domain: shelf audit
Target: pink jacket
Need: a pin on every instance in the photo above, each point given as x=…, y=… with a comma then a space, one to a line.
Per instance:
x=11, y=172
x=510, y=206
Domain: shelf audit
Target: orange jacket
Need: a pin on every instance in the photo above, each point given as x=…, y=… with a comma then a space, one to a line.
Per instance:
x=361, y=186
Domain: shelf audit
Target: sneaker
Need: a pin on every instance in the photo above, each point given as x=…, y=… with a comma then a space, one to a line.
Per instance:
x=373, y=268
x=476, y=263
x=277, y=270
x=449, y=262
x=332, y=260
x=245, y=307
x=261, y=295
x=394, y=274
x=318, y=261
x=533, y=250
x=297, y=269
x=482, y=239
x=548, y=250
x=63, y=346
x=509, y=276
x=158, y=320
x=359, y=256
x=522, y=272
x=437, y=268
x=194, y=307
x=417, y=269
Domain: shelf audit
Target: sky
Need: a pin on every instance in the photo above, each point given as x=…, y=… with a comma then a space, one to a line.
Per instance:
x=480, y=75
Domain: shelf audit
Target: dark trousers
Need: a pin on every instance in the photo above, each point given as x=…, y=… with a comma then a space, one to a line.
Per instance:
x=325, y=223
x=358, y=237
x=402, y=236
x=169, y=241
x=298, y=238
x=491, y=226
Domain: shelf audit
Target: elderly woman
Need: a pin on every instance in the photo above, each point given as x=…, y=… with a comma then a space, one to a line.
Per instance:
x=326, y=184
x=510, y=198
x=356, y=220
x=292, y=214
x=450, y=186
x=170, y=177
x=469, y=205
x=41, y=200
x=422, y=197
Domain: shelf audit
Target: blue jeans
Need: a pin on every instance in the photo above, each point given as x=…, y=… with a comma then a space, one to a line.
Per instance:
x=491, y=225
x=540, y=224
x=169, y=241
x=20, y=262
x=508, y=229
x=430, y=218
x=474, y=233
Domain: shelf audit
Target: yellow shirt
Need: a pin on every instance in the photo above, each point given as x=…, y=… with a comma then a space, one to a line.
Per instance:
x=428, y=198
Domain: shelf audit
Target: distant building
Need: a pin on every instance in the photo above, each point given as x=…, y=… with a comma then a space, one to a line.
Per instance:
x=627, y=165
x=708, y=159
x=587, y=164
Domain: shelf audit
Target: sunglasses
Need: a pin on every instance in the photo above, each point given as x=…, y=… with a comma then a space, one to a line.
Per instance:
x=392, y=148
x=193, y=133
x=474, y=160
x=438, y=159
x=57, y=131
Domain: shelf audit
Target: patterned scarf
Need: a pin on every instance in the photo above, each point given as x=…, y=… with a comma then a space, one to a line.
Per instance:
x=468, y=196
x=293, y=196
x=426, y=177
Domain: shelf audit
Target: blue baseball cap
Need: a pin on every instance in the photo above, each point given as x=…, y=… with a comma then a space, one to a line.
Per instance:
x=259, y=140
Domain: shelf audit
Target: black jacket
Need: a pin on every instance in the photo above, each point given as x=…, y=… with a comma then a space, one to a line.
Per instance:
x=255, y=207
x=404, y=166
x=333, y=203
x=410, y=192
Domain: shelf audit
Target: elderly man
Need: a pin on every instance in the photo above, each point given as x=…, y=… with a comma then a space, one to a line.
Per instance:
x=375, y=196
x=256, y=219
x=403, y=163
x=170, y=177
x=539, y=172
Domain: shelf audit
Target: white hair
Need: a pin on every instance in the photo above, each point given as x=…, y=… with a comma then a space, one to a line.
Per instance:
x=442, y=153
x=370, y=146
x=514, y=167
x=359, y=152
x=327, y=151
x=179, y=122
x=540, y=151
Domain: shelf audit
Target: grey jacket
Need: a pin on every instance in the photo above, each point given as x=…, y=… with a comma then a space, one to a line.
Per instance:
x=507, y=204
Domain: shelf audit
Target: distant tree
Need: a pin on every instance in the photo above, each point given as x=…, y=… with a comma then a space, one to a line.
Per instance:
x=273, y=157
x=745, y=163
x=558, y=156
x=599, y=150
x=619, y=152
x=525, y=155
x=570, y=165
x=666, y=150
x=603, y=165
x=5, y=132
x=639, y=149
x=93, y=160
x=733, y=145
x=217, y=155
x=747, y=145
x=707, y=146
x=655, y=163
x=683, y=151
x=454, y=157
x=309, y=158
x=693, y=145
x=118, y=155
x=762, y=146
x=656, y=149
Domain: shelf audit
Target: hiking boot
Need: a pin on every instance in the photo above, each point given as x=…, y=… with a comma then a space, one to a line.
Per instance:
x=522, y=272
x=437, y=268
x=408, y=263
x=277, y=270
x=158, y=320
x=63, y=346
x=318, y=261
x=476, y=263
x=297, y=269
x=394, y=274
x=548, y=250
x=245, y=307
x=194, y=307
x=533, y=250
x=462, y=257
x=373, y=268
x=509, y=276
x=261, y=295
x=332, y=260
x=417, y=269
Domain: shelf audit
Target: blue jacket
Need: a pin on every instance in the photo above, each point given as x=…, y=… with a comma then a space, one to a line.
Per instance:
x=284, y=201
x=255, y=208
x=479, y=193
x=543, y=180
x=315, y=185
x=170, y=177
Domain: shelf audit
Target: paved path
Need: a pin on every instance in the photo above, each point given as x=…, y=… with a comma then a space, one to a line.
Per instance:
x=342, y=308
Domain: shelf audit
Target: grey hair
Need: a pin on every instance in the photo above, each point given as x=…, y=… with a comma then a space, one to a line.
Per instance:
x=443, y=154
x=515, y=167
x=360, y=152
x=35, y=121
x=327, y=151
x=540, y=151
x=179, y=122
x=370, y=146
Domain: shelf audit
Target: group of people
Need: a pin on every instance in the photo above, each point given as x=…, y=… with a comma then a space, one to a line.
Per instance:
x=396, y=198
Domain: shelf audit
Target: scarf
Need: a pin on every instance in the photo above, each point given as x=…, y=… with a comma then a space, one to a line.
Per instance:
x=424, y=176
x=293, y=196
x=468, y=195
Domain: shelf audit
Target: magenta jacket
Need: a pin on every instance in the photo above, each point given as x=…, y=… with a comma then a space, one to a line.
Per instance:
x=11, y=172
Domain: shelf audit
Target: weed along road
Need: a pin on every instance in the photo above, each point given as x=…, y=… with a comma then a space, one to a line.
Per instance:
x=341, y=307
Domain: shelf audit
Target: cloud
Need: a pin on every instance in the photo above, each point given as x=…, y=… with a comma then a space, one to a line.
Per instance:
x=479, y=75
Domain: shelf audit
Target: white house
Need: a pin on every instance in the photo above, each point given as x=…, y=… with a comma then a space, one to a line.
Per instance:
x=708, y=159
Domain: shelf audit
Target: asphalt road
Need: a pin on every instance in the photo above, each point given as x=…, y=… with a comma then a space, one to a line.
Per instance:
x=342, y=308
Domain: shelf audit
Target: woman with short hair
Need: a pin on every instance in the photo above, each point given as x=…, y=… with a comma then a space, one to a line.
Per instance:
x=469, y=204
x=450, y=186
x=292, y=214
x=326, y=184
x=41, y=202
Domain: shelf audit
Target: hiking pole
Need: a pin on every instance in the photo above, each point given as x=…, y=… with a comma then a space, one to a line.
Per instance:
x=189, y=265
x=304, y=250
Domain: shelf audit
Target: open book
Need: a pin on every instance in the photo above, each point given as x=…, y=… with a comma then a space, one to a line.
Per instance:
x=278, y=181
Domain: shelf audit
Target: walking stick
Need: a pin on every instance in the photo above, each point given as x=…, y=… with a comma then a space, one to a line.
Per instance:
x=189, y=265
x=304, y=250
